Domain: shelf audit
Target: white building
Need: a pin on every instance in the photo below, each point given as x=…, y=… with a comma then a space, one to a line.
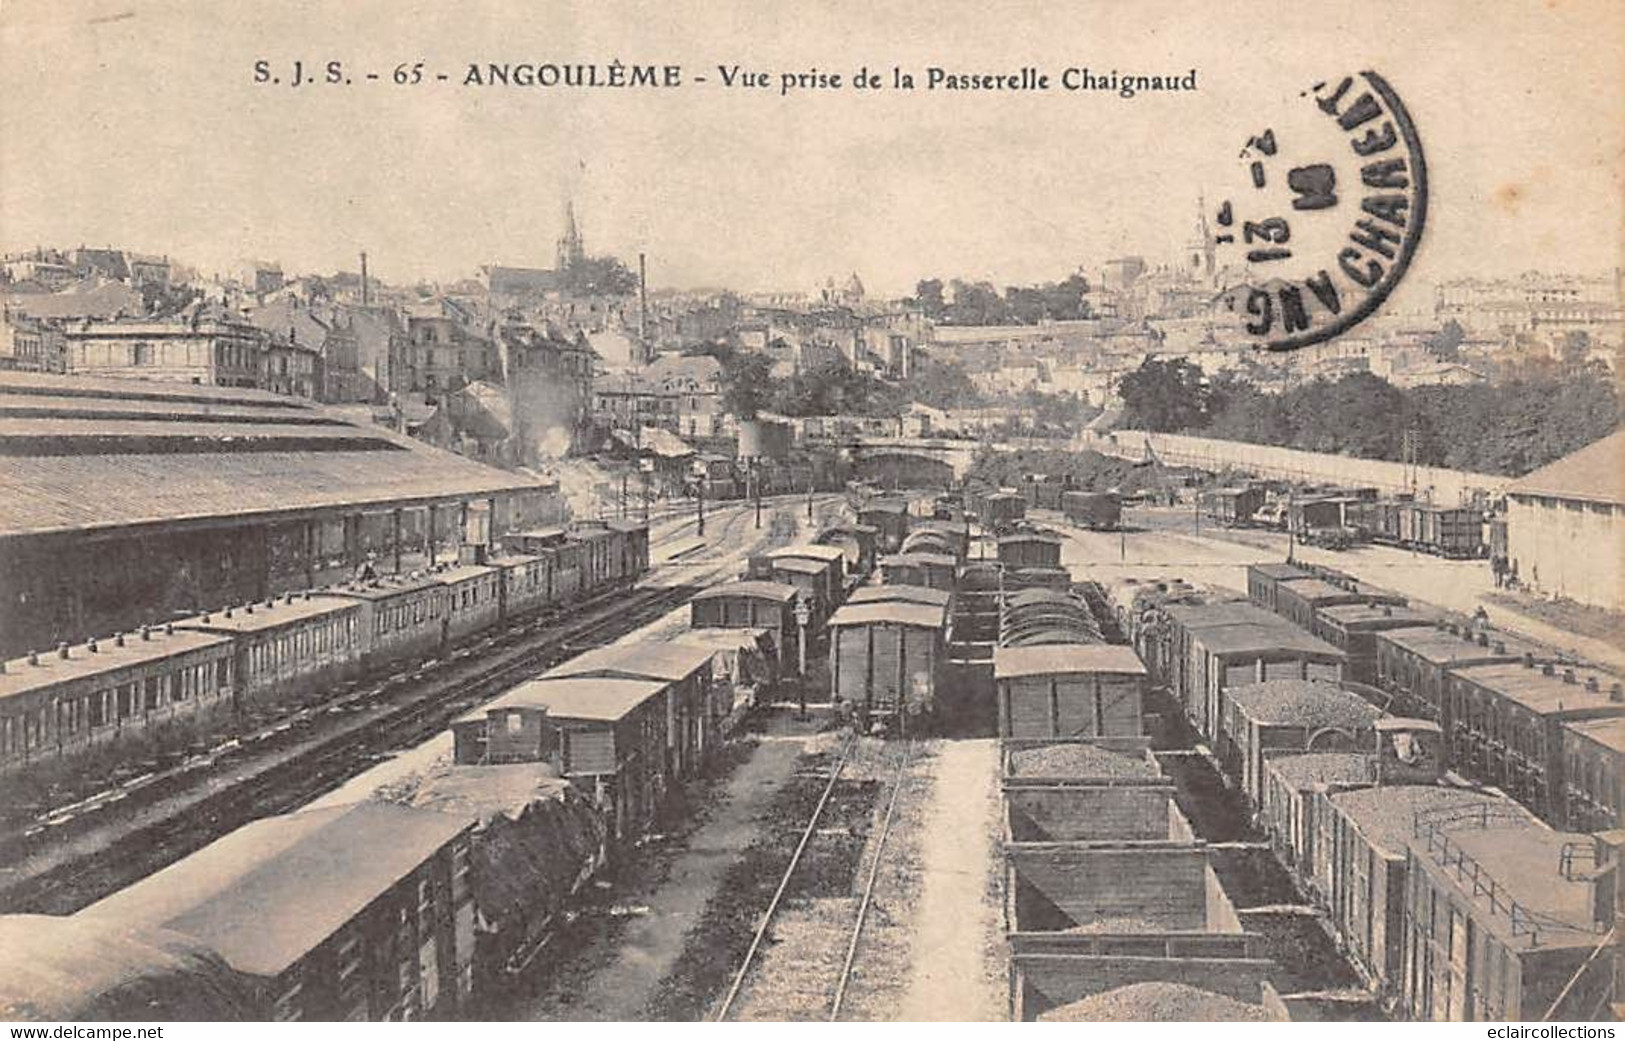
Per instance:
x=1566, y=525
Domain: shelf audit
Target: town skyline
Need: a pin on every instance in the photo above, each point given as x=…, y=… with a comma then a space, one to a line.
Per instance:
x=759, y=193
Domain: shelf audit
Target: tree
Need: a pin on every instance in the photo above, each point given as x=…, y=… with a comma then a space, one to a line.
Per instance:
x=1169, y=395
x=1575, y=348
x=928, y=297
x=748, y=385
x=1445, y=344
x=600, y=276
x=942, y=384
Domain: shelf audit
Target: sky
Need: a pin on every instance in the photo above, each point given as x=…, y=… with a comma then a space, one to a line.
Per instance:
x=137, y=123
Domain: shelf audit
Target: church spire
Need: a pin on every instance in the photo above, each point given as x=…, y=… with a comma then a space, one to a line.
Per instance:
x=571, y=250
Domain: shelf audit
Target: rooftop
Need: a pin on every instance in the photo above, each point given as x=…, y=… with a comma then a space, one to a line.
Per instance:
x=1441, y=646
x=647, y=660
x=1278, y=635
x=800, y=565
x=86, y=454
x=1543, y=694
x=1386, y=816
x=1596, y=473
x=757, y=590
x=277, y=611
x=20, y=677
x=1392, y=616
x=924, y=616
x=598, y=700
x=920, y=559
x=271, y=891
x=1280, y=571
x=1530, y=903
x=828, y=554
x=1302, y=703
x=1317, y=589
x=899, y=593
x=1608, y=731
x=1015, y=662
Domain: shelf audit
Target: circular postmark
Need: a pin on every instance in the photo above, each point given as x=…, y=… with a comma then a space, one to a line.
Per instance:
x=1328, y=215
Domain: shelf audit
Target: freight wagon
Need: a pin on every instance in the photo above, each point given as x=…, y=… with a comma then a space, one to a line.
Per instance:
x=1298, y=599
x=1353, y=628
x=750, y=605
x=1594, y=771
x=1097, y=511
x=1413, y=664
x=936, y=570
x=890, y=518
x=1232, y=507
x=1072, y=690
x=1030, y=549
x=886, y=658
x=1000, y=511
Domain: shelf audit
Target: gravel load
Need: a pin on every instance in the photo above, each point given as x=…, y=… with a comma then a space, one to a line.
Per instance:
x=1080, y=761
x=1117, y=926
x=1155, y=1003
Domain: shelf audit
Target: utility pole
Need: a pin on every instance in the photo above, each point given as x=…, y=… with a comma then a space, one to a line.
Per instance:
x=809, y=500
x=623, y=495
x=756, y=483
x=700, y=487
x=1291, y=530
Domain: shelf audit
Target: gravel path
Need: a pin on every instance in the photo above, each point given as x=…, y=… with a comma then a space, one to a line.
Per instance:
x=957, y=969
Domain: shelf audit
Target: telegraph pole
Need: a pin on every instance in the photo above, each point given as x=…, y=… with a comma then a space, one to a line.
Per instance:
x=756, y=483
x=700, y=487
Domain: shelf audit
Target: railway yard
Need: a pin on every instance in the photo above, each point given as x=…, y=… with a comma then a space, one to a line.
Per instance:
x=877, y=757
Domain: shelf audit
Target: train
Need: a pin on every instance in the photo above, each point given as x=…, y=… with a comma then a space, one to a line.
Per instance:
x=150, y=689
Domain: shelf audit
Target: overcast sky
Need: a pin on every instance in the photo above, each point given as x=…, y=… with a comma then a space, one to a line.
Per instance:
x=136, y=123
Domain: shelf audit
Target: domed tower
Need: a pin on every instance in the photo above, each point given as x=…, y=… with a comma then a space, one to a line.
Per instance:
x=854, y=289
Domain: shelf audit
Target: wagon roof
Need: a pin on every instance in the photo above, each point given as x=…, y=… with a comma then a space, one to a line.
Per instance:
x=811, y=552
x=649, y=659
x=271, y=891
x=918, y=558
x=1302, y=703
x=924, y=616
x=1400, y=615
x=1015, y=662
x=1540, y=693
x=1608, y=732
x=1192, y=617
x=1441, y=646
x=21, y=677
x=595, y=699
x=1319, y=589
x=1386, y=815
x=1031, y=536
x=1282, y=571
x=801, y=565
x=778, y=591
x=883, y=506
x=285, y=610
x=1279, y=635
x=897, y=592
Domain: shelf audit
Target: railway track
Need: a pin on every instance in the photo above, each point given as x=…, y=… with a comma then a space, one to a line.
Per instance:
x=339, y=746
x=841, y=986
x=314, y=749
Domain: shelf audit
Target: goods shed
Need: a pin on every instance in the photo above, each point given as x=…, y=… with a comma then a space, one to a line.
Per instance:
x=128, y=502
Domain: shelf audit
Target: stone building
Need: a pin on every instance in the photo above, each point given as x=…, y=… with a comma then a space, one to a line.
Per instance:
x=1566, y=526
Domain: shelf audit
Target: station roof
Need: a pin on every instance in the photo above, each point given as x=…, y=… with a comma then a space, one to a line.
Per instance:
x=280, y=611
x=655, y=660
x=896, y=592
x=20, y=677
x=756, y=590
x=1540, y=693
x=1015, y=662
x=85, y=454
x=270, y=892
x=594, y=699
x=923, y=616
x=1302, y=703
